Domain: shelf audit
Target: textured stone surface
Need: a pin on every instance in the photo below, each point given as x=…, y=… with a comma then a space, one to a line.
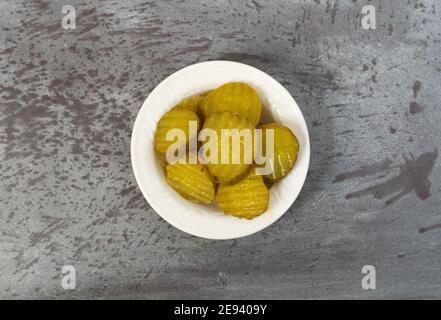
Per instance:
x=69, y=98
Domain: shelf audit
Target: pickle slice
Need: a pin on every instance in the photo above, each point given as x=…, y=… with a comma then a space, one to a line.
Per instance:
x=191, y=103
x=191, y=181
x=174, y=119
x=247, y=198
x=229, y=164
x=235, y=97
x=286, y=150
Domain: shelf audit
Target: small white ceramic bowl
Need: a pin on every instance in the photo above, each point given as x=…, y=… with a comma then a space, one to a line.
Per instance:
x=209, y=221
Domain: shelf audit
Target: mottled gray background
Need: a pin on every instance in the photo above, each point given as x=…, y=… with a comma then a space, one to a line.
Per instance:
x=69, y=98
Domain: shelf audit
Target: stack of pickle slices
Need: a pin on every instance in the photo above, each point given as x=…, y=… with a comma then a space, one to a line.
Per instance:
x=236, y=186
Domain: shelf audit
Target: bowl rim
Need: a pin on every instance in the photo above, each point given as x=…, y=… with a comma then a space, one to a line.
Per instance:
x=152, y=202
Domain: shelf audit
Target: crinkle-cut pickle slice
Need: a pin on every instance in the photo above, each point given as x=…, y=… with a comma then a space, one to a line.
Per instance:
x=286, y=150
x=174, y=119
x=191, y=103
x=191, y=181
x=224, y=172
x=247, y=198
x=235, y=97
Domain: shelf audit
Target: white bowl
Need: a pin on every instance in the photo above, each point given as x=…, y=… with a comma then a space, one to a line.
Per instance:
x=201, y=220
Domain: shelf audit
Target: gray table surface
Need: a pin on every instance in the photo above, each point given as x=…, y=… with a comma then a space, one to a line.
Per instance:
x=68, y=196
